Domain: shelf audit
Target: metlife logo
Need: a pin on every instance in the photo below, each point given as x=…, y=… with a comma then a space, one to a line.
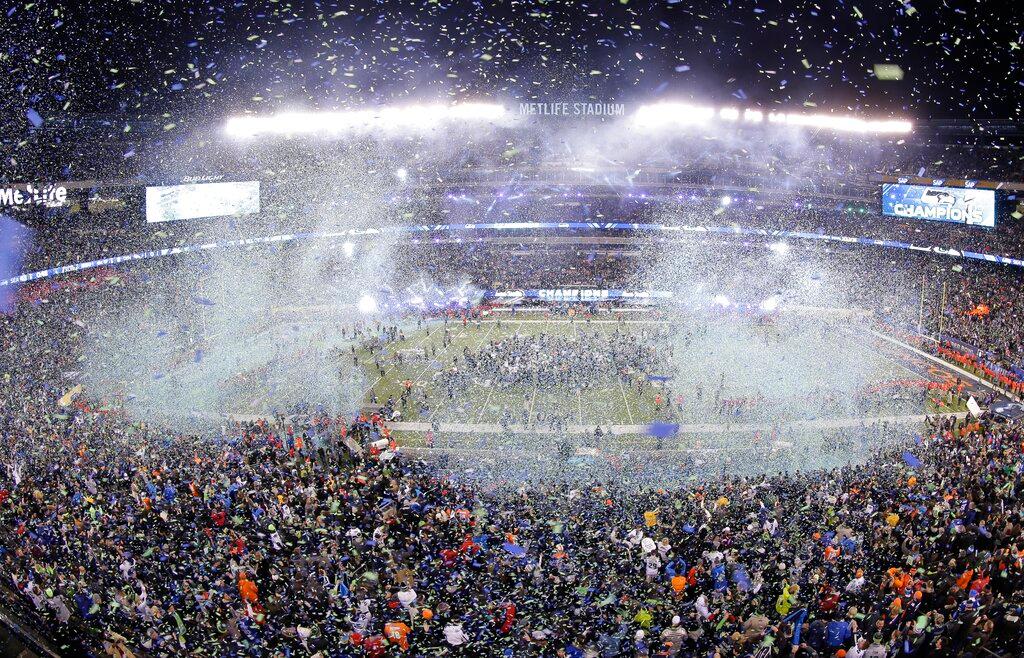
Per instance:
x=51, y=196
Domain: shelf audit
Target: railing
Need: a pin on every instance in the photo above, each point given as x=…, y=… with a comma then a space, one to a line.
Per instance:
x=25, y=633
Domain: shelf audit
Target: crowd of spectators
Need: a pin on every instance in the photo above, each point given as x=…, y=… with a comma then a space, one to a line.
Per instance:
x=115, y=225
x=318, y=536
x=291, y=536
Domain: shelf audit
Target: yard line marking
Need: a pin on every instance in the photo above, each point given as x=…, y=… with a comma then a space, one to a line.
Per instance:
x=387, y=369
x=618, y=378
x=579, y=396
x=442, y=360
x=490, y=389
x=533, y=399
x=426, y=359
x=533, y=394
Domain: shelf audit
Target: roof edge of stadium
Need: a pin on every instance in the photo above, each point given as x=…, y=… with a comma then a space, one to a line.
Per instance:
x=646, y=118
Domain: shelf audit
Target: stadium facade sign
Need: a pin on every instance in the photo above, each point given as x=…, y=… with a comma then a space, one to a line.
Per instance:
x=51, y=196
x=572, y=109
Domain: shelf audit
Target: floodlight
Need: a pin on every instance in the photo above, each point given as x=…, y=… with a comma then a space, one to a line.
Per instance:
x=367, y=305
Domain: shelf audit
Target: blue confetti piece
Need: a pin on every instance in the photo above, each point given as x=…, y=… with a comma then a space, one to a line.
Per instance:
x=34, y=117
x=199, y=356
x=204, y=301
x=682, y=68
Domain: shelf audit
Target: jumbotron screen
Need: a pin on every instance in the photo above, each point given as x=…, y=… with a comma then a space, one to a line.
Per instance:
x=176, y=202
x=944, y=204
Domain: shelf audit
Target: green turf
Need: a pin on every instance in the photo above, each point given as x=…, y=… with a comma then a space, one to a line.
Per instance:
x=611, y=404
x=938, y=405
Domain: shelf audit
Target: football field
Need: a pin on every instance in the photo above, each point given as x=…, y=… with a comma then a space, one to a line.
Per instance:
x=610, y=402
x=774, y=379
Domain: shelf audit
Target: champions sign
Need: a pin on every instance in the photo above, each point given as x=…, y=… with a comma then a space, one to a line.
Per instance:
x=936, y=202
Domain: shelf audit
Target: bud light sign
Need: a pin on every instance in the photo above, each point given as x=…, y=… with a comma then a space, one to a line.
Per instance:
x=973, y=207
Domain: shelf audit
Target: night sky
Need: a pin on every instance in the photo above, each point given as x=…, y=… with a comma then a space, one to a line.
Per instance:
x=192, y=61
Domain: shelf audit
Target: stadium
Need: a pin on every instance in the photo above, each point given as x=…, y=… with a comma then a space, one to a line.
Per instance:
x=512, y=329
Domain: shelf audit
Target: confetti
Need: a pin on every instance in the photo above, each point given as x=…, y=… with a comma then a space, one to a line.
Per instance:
x=888, y=72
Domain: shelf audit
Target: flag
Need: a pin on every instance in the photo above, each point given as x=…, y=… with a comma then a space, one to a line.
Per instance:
x=15, y=240
x=718, y=578
x=662, y=430
x=911, y=460
x=66, y=399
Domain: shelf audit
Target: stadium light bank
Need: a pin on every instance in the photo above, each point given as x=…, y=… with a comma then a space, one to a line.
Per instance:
x=647, y=118
x=668, y=115
x=409, y=117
